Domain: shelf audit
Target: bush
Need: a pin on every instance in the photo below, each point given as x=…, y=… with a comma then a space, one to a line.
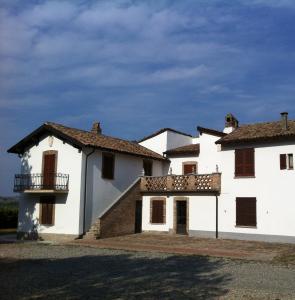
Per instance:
x=8, y=215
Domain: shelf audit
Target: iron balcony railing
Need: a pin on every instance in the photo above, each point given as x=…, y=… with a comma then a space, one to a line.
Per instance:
x=37, y=181
x=205, y=183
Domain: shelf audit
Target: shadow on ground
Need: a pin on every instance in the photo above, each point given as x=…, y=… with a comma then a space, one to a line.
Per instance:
x=118, y=276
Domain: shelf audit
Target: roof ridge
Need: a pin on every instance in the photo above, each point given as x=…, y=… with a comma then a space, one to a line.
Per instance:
x=161, y=131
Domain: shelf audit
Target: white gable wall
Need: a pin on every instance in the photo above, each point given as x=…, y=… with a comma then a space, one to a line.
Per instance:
x=157, y=143
x=175, y=140
x=166, y=140
x=67, y=207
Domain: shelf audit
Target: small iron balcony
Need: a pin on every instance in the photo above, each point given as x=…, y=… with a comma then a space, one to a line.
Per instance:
x=41, y=183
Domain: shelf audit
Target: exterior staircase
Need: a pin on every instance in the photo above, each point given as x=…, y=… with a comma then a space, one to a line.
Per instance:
x=119, y=217
x=94, y=231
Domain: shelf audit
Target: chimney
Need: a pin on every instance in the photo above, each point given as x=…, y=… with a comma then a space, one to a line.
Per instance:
x=96, y=128
x=231, y=123
x=284, y=120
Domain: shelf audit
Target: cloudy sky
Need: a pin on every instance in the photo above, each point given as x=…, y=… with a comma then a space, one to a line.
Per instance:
x=138, y=66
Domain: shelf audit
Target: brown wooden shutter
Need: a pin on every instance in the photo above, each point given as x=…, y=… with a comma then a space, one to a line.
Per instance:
x=239, y=162
x=244, y=162
x=49, y=164
x=47, y=210
x=189, y=169
x=283, y=162
x=158, y=211
x=108, y=165
x=246, y=212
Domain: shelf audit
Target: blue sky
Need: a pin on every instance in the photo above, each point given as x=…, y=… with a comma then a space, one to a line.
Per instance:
x=137, y=66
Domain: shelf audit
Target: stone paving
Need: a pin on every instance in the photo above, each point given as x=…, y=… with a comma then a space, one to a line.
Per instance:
x=178, y=244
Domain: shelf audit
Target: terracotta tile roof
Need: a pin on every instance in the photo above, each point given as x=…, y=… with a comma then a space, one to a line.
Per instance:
x=80, y=138
x=268, y=131
x=192, y=149
x=211, y=131
x=161, y=131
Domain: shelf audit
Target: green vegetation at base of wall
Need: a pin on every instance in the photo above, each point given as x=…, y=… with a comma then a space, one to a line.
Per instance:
x=8, y=214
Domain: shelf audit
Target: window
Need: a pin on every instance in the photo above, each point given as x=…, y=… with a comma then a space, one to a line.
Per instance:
x=158, y=211
x=108, y=165
x=246, y=212
x=148, y=167
x=47, y=210
x=244, y=162
x=189, y=168
x=286, y=161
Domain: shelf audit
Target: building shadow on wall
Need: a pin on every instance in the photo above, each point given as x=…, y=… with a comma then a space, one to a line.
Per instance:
x=118, y=276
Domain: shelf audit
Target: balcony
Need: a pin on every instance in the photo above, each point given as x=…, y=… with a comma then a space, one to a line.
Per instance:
x=41, y=183
x=205, y=183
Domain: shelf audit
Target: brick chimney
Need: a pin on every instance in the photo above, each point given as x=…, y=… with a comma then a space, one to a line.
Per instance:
x=231, y=123
x=96, y=128
x=284, y=120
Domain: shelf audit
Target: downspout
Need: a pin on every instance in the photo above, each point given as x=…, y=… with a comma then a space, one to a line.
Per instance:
x=216, y=229
x=85, y=189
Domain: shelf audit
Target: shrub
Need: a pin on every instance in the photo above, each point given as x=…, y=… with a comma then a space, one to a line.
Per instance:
x=8, y=215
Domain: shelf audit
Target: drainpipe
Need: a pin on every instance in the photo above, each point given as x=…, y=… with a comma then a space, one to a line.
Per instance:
x=85, y=189
x=216, y=230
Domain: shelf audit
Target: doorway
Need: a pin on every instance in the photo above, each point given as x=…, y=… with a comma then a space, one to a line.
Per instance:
x=181, y=217
x=49, y=169
x=138, y=216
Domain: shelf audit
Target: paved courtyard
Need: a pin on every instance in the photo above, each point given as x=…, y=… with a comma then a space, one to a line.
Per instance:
x=62, y=271
x=181, y=244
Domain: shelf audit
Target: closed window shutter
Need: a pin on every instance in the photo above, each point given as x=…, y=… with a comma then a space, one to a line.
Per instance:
x=47, y=210
x=244, y=162
x=238, y=163
x=246, y=211
x=158, y=214
x=189, y=169
x=283, y=162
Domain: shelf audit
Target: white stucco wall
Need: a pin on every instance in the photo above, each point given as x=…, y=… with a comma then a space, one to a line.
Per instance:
x=272, y=187
x=166, y=140
x=201, y=215
x=147, y=225
x=67, y=207
x=175, y=140
x=102, y=192
x=209, y=155
x=157, y=143
x=177, y=163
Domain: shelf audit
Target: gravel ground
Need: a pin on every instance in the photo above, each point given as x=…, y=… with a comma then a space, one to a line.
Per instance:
x=52, y=271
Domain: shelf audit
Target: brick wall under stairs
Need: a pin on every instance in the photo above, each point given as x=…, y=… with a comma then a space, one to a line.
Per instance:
x=119, y=217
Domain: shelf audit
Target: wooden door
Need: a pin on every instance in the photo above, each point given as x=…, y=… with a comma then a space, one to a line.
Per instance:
x=49, y=171
x=138, y=216
x=181, y=217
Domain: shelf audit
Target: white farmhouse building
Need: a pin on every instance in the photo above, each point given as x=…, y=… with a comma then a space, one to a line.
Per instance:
x=231, y=184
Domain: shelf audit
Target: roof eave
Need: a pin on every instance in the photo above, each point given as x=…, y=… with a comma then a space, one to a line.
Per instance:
x=30, y=139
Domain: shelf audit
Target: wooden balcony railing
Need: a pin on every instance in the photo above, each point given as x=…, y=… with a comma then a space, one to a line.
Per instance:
x=41, y=182
x=205, y=183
